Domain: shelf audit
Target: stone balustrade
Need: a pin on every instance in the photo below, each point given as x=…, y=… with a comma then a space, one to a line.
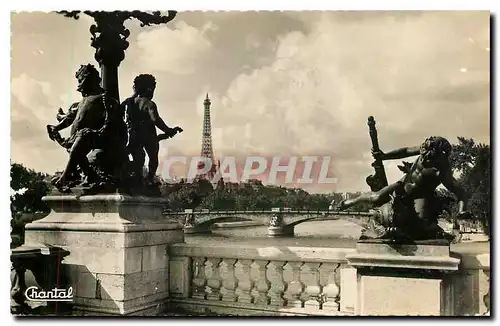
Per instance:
x=253, y=280
x=126, y=259
x=244, y=279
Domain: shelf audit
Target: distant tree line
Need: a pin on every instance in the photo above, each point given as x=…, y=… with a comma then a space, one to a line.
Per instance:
x=27, y=188
x=472, y=162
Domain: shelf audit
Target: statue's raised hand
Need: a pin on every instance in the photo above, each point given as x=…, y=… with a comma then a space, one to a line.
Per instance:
x=378, y=155
x=60, y=115
x=171, y=133
x=51, y=130
x=174, y=131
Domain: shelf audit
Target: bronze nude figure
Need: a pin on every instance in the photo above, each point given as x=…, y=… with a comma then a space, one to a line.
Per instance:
x=407, y=209
x=142, y=119
x=97, y=128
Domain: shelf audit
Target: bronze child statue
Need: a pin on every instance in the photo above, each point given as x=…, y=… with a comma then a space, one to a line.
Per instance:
x=408, y=208
x=97, y=125
x=142, y=119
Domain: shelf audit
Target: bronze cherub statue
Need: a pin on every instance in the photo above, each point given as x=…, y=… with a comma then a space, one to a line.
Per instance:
x=97, y=128
x=142, y=119
x=407, y=209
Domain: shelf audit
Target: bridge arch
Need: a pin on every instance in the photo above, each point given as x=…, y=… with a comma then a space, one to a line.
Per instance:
x=205, y=221
x=288, y=219
x=292, y=221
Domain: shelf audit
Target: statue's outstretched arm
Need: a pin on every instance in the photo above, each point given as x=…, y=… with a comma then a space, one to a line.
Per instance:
x=158, y=121
x=66, y=119
x=400, y=153
x=65, y=123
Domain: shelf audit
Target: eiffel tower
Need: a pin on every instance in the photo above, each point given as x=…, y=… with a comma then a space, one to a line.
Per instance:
x=206, y=142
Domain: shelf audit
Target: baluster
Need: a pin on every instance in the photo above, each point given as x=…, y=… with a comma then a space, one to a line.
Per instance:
x=329, y=280
x=486, y=297
x=199, y=278
x=214, y=281
x=310, y=278
x=229, y=282
x=245, y=283
x=295, y=286
x=262, y=284
x=278, y=285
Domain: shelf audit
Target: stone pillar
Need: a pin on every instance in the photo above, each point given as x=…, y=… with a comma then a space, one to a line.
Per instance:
x=277, y=226
x=117, y=262
x=190, y=225
x=402, y=280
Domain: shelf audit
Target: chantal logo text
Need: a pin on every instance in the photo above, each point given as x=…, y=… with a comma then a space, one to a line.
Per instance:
x=35, y=294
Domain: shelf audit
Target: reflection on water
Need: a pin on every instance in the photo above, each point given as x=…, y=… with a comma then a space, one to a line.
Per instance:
x=338, y=234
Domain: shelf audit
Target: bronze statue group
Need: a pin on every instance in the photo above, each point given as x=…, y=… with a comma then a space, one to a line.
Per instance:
x=104, y=135
x=109, y=140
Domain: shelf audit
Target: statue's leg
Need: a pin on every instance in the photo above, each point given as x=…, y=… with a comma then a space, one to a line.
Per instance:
x=152, y=148
x=373, y=198
x=427, y=218
x=87, y=170
x=138, y=158
x=77, y=154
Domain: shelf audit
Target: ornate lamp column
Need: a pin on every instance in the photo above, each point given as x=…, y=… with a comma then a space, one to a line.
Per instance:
x=109, y=38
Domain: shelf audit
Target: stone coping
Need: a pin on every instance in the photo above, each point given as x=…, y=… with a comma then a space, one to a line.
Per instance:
x=105, y=213
x=103, y=227
x=257, y=252
x=473, y=259
x=411, y=262
x=113, y=198
x=416, y=249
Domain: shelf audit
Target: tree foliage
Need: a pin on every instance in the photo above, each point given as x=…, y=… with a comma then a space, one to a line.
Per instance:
x=27, y=189
x=253, y=195
x=473, y=163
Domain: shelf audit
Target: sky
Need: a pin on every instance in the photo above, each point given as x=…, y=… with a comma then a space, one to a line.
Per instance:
x=281, y=83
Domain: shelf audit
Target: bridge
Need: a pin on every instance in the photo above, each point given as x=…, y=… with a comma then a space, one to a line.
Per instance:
x=280, y=221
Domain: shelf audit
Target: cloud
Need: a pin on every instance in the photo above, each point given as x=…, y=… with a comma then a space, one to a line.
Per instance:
x=29, y=91
x=175, y=50
x=322, y=85
x=35, y=97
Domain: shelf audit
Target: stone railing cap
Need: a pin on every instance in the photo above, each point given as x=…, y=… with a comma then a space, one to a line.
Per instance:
x=117, y=198
x=259, y=252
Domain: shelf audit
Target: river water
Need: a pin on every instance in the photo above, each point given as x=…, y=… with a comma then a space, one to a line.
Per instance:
x=337, y=233
x=332, y=234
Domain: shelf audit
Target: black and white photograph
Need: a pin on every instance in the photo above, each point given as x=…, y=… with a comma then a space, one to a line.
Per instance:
x=205, y=163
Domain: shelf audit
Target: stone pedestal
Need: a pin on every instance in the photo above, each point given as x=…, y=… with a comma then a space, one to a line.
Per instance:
x=280, y=231
x=404, y=280
x=117, y=262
